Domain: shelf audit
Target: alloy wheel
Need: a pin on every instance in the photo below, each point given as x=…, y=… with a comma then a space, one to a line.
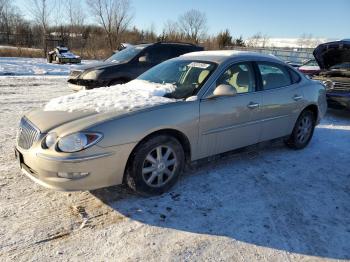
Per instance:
x=159, y=166
x=304, y=129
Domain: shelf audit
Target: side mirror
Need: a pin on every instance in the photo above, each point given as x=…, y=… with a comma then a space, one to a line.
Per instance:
x=143, y=59
x=224, y=90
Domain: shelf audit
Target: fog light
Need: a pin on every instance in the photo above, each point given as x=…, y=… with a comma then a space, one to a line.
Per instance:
x=72, y=175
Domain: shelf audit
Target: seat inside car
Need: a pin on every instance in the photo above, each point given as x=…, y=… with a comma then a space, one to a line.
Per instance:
x=274, y=80
x=241, y=80
x=202, y=76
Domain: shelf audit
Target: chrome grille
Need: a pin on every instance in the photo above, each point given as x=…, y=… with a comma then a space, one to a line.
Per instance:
x=342, y=86
x=27, y=134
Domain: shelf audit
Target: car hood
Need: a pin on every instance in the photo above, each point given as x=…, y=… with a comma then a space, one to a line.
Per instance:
x=99, y=65
x=88, y=108
x=68, y=55
x=332, y=53
x=46, y=121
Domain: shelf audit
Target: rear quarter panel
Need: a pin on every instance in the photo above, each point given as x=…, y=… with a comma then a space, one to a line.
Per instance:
x=315, y=94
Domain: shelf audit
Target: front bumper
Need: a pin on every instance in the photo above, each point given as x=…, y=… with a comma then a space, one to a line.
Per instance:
x=339, y=99
x=104, y=166
x=81, y=84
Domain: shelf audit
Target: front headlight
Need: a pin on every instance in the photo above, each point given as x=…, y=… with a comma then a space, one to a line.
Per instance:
x=328, y=84
x=91, y=75
x=77, y=141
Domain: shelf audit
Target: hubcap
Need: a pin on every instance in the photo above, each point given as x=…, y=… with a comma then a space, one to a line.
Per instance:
x=304, y=129
x=159, y=166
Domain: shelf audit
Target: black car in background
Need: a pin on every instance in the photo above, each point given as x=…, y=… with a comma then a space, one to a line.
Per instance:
x=126, y=64
x=334, y=61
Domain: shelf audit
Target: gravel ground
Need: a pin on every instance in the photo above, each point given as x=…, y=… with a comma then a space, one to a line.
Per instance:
x=266, y=203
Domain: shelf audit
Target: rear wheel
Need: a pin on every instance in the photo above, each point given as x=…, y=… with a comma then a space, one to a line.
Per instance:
x=303, y=130
x=156, y=165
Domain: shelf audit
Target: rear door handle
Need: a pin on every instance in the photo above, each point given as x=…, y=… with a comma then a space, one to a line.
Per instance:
x=297, y=98
x=253, y=105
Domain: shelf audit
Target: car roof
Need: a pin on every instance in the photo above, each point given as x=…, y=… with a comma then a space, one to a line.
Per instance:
x=141, y=45
x=221, y=56
x=168, y=43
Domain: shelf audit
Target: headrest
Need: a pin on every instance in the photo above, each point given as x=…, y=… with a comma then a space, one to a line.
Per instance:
x=243, y=78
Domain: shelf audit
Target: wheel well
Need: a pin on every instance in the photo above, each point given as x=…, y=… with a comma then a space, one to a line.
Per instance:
x=182, y=138
x=313, y=109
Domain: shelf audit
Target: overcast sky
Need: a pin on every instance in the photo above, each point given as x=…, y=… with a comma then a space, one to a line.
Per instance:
x=276, y=18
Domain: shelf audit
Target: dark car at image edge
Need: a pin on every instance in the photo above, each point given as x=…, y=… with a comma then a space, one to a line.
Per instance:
x=127, y=64
x=334, y=61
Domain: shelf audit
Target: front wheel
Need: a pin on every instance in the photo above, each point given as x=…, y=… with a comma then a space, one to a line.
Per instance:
x=156, y=165
x=303, y=131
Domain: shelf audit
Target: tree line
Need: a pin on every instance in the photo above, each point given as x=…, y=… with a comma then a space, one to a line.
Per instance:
x=95, y=28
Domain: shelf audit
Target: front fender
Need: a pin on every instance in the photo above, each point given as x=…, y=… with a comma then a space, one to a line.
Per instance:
x=179, y=116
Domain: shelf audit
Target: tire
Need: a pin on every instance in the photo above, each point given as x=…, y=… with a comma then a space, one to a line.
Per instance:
x=155, y=165
x=302, y=131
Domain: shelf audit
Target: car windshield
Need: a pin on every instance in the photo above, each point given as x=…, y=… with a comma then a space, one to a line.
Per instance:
x=345, y=66
x=188, y=76
x=125, y=54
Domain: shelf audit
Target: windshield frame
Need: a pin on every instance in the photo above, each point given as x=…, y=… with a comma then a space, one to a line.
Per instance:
x=200, y=86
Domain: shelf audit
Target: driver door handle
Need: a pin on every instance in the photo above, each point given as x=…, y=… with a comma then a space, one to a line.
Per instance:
x=253, y=105
x=297, y=98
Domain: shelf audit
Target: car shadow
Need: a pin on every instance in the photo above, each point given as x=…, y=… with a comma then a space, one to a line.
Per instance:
x=296, y=201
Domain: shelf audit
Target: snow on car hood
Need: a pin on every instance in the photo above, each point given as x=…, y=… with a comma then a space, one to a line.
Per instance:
x=137, y=94
x=332, y=53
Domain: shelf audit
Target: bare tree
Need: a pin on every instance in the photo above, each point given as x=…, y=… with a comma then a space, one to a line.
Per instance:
x=10, y=19
x=171, y=31
x=41, y=11
x=305, y=41
x=254, y=40
x=3, y=3
x=76, y=14
x=114, y=16
x=193, y=24
x=258, y=40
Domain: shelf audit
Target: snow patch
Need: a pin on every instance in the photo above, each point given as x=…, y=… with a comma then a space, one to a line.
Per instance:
x=20, y=66
x=128, y=97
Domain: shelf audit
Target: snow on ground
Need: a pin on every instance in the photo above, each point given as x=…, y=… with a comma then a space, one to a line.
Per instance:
x=266, y=203
x=126, y=97
x=13, y=66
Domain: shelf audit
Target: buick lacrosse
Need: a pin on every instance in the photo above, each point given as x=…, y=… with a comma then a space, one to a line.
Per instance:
x=143, y=133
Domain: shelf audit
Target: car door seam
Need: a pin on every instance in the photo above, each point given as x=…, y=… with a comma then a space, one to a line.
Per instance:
x=221, y=129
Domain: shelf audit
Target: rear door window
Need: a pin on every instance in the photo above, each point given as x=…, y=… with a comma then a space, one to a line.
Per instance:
x=159, y=54
x=274, y=75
